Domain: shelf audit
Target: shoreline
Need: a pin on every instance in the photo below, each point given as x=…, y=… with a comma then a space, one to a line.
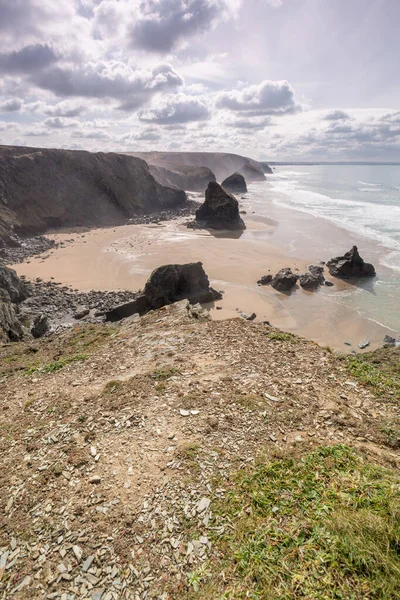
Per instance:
x=123, y=257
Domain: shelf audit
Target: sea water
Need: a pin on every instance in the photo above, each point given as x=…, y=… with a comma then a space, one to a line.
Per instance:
x=362, y=200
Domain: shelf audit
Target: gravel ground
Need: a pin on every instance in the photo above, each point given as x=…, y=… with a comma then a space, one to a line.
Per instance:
x=116, y=441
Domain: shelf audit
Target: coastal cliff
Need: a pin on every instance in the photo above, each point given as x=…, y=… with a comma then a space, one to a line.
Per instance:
x=186, y=177
x=43, y=188
x=221, y=164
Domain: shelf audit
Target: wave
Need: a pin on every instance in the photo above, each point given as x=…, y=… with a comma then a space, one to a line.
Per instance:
x=370, y=220
x=370, y=184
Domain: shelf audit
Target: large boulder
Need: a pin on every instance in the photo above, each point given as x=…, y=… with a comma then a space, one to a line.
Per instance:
x=166, y=285
x=285, y=280
x=350, y=266
x=10, y=326
x=11, y=287
x=313, y=278
x=220, y=210
x=235, y=183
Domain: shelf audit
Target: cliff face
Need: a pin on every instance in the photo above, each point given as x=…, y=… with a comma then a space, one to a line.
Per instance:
x=42, y=188
x=186, y=177
x=220, y=163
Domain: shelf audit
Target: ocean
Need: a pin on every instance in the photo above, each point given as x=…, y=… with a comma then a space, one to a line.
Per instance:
x=364, y=202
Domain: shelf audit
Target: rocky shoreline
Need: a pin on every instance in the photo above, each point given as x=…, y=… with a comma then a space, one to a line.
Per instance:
x=49, y=306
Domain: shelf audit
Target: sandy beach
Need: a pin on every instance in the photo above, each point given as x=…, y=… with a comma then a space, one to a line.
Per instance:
x=123, y=258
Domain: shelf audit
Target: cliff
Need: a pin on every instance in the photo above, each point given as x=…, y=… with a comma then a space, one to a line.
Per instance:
x=221, y=164
x=186, y=177
x=43, y=188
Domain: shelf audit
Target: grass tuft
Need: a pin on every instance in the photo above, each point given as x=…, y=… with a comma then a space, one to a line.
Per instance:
x=57, y=365
x=282, y=337
x=164, y=373
x=380, y=376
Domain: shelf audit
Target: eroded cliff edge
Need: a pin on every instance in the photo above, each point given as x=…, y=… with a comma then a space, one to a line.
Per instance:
x=43, y=188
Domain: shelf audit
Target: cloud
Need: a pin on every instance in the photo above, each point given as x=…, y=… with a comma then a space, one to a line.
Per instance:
x=363, y=137
x=337, y=115
x=163, y=24
x=112, y=79
x=11, y=105
x=91, y=134
x=274, y=3
x=148, y=134
x=266, y=98
x=393, y=117
x=179, y=108
x=59, y=123
x=30, y=58
x=251, y=123
x=9, y=126
x=66, y=108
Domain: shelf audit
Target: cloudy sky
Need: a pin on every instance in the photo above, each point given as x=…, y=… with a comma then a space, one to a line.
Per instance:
x=272, y=79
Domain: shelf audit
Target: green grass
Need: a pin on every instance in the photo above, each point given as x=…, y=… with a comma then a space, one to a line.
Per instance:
x=57, y=365
x=378, y=374
x=283, y=337
x=164, y=373
x=325, y=526
x=112, y=386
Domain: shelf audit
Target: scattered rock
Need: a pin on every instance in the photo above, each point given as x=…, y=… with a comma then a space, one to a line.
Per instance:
x=285, y=280
x=364, y=344
x=248, y=317
x=81, y=313
x=40, y=326
x=313, y=279
x=196, y=311
x=95, y=479
x=265, y=280
x=235, y=183
x=350, y=265
x=389, y=341
x=220, y=210
x=329, y=283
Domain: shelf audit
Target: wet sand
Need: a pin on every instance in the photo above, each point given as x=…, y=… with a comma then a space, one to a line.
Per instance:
x=123, y=258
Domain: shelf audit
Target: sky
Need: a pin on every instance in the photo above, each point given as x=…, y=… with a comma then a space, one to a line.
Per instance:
x=271, y=79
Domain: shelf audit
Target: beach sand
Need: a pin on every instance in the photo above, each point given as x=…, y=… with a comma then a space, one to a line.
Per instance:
x=123, y=258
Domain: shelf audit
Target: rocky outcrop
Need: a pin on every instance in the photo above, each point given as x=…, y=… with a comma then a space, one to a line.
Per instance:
x=40, y=326
x=266, y=168
x=220, y=210
x=44, y=188
x=220, y=163
x=313, y=278
x=186, y=177
x=12, y=289
x=285, y=280
x=235, y=183
x=391, y=342
x=350, y=266
x=10, y=326
x=166, y=285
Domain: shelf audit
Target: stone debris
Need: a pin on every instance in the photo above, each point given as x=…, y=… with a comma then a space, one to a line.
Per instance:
x=109, y=486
